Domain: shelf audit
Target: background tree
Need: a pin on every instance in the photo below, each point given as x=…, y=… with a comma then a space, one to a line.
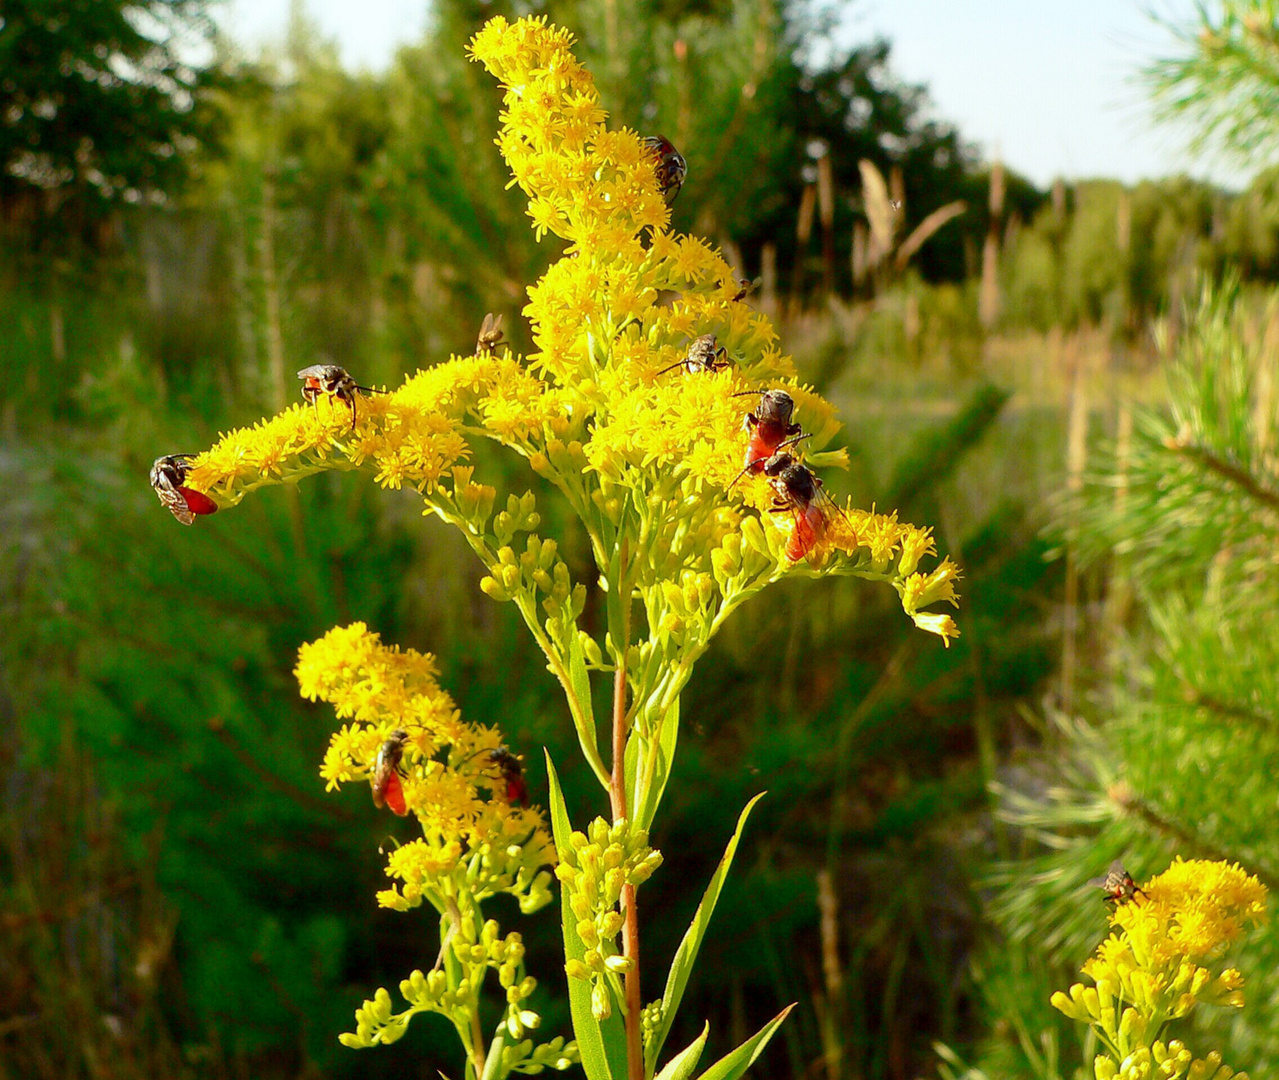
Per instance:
x=102, y=104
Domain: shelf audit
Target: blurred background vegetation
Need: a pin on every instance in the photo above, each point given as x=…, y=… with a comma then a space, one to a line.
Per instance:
x=1038, y=373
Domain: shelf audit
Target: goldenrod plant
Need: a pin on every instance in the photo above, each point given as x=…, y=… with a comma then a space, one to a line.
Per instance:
x=1163, y=961
x=647, y=448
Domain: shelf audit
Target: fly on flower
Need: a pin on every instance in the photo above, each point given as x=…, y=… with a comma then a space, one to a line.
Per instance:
x=704, y=354
x=670, y=166
x=333, y=380
x=799, y=492
x=745, y=286
x=168, y=478
x=490, y=334
x=385, y=778
x=1117, y=884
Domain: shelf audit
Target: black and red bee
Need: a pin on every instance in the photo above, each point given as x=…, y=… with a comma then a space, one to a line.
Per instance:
x=385, y=778
x=745, y=286
x=670, y=166
x=705, y=353
x=168, y=478
x=771, y=428
x=1117, y=884
x=799, y=492
x=512, y=772
x=490, y=334
x=330, y=379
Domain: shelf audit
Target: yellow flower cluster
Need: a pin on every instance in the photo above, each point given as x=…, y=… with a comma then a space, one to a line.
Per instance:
x=604, y=408
x=584, y=183
x=449, y=781
x=1152, y=970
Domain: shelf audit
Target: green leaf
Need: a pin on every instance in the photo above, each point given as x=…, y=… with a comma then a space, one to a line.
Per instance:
x=651, y=788
x=732, y=1065
x=602, y=1043
x=681, y=1066
x=493, y=1062
x=686, y=954
x=580, y=681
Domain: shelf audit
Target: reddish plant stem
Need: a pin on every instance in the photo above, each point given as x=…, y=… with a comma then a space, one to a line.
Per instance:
x=617, y=799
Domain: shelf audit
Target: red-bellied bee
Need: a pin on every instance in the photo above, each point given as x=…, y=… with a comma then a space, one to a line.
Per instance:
x=705, y=353
x=330, y=379
x=670, y=166
x=490, y=334
x=512, y=770
x=799, y=492
x=1117, y=884
x=168, y=477
x=771, y=429
x=385, y=778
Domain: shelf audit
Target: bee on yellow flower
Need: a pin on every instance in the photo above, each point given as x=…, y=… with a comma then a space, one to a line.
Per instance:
x=1157, y=966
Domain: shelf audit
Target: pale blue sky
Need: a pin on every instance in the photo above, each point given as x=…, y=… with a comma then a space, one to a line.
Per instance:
x=1049, y=86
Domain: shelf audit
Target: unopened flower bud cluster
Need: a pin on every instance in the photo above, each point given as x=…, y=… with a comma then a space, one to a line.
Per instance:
x=595, y=867
x=453, y=992
x=1165, y=1062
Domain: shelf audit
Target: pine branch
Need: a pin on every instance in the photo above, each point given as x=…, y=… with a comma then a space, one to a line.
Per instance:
x=1228, y=470
x=1127, y=800
x=1228, y=709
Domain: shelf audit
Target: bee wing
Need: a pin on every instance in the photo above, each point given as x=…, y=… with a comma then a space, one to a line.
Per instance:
x=1097, y=882
x=829, y=507
x=1117, y=867
x=174, y=501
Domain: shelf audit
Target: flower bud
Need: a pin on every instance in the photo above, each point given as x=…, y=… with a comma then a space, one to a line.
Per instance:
x=575, y=969
x=613, y=882
x=601, y=1003
x=491, y=588
x=644, y=870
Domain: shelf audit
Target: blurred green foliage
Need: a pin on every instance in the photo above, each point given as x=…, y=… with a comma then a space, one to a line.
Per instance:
x=167, y=854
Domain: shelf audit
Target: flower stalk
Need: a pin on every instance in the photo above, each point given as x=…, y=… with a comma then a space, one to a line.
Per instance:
x=647, y=451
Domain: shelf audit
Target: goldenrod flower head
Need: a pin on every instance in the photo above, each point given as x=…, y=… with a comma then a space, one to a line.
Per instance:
x=1154, y=968
x=603, y=407
x=449, y=782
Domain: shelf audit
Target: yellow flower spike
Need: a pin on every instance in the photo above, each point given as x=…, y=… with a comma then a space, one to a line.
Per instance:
x=1159, y=958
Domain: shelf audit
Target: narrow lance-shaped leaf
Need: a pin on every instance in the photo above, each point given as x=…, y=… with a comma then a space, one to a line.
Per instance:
x=602, y=1044
x=732, y=1065
x=580, y=680
x=646, y=778
x=686, y=954
x=681, y=1066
